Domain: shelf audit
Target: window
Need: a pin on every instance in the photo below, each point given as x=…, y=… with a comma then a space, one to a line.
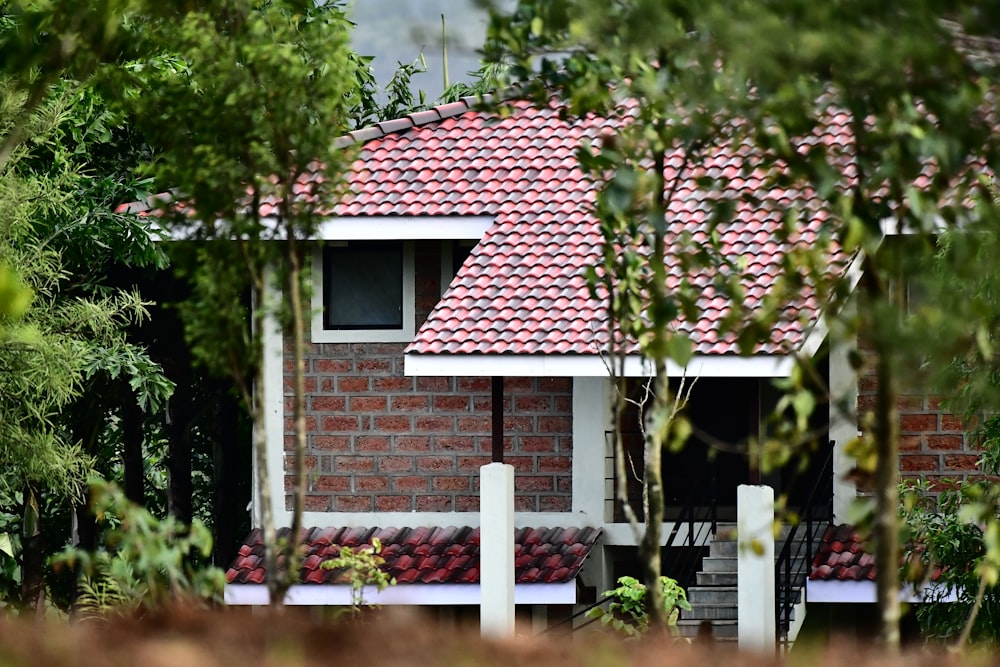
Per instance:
x=363, y=292
x=453, y=255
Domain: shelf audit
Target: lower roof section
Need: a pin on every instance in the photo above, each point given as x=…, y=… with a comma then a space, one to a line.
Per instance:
x=760, y=366
x=402, y=594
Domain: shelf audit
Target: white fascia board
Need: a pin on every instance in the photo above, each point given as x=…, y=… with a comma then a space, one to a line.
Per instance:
x=821, y=330
x=861, y=591
x=401, y=594
x=591, y=366
x=361, y=228
x=404, y=228
x=621, y=534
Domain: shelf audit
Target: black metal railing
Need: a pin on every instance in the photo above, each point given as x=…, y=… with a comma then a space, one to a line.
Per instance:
x=791, y=568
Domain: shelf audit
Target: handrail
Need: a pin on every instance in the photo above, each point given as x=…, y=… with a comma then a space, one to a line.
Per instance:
x=791, y=567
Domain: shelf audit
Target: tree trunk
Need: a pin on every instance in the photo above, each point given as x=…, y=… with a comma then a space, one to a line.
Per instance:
x=132, y=420
x=294, y=259
x=32, y=556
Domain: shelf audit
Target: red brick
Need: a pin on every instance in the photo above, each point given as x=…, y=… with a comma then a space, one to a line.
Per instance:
x=310, y=384
x=353, y=384
x=433, y=384
x=340, y=423
x=466, y=503
x=457, y=443
x=334, y=483
x=533, y=483
x=518, y=385
x=451, y=403
x=393, y=504
x=310, y=424
x=867, y=402
x=934, y=402
x=372, y=366
x=522, y=464
x=518, y=424
x=371, y=443
x=353, y=503
x=410, y=483
x=563, y=404
x=967, y=462
x=316, y=503
x=409, y=403
x=921, y=422
x=471, y=463
x=366, y=483
x=326, y=365
x=952, y=423
x=435, y=463
x=369, y=403
x=525, y=503
x=333, y=349
x=434, y=504
x=473, y=424
x=413, y=443
x=564, y=484
x=948, y=442
x=327, y=404
x=910, y=443
x=555, y=385
x=485, y=404
x=917, y=463
x=310, y=461
x=544, y=443
x=555, y=464
x=565, y=443
x=555, y=425
x=910, y=403
x=555, y=504
x=434, y=424
x=450, y=484
x=867, y=383
x=395, y=463
x=355, y=464
x=473, y=384
x=390, y=384
x=393, y=424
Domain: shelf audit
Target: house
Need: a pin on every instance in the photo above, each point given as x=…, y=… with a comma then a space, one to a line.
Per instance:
x=450, y=279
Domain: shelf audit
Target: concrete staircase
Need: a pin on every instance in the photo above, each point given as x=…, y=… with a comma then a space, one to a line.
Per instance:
x=713, y=598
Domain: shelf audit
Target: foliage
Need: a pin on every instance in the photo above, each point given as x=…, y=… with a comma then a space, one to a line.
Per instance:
x=627, y=611
x=362, y=567
x=687, y=78
x=952, y=548
x=144, y=562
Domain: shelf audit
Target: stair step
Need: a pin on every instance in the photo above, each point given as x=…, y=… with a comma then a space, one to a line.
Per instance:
x=718, y=564
x=720, y=629
x=699, y=612
x=724, y=595
x=716, y=578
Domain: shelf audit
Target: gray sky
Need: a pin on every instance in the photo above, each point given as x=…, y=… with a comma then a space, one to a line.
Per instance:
x=399, y=30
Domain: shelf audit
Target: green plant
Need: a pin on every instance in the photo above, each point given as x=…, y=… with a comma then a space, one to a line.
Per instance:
x=144, y=562
x=361, y=566
x=627, y=611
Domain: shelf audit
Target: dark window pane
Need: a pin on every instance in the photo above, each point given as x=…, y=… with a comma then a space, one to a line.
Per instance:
x=363, y=286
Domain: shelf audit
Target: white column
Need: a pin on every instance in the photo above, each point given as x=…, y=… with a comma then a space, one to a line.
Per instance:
x=591, y=420
x=755, y=567
x=843, y=427
x=496, y=550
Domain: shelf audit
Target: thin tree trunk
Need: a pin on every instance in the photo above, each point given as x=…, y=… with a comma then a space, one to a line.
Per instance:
x=132, y=441
x=179, y=491
x=294, y=258
x=32, y=557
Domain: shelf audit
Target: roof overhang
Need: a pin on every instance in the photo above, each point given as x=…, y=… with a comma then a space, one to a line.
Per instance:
x=864, y=591
x=592, y=366
x=401, y=594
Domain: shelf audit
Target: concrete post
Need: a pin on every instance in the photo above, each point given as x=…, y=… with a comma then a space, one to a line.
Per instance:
x=496, y=550
x=755, y=567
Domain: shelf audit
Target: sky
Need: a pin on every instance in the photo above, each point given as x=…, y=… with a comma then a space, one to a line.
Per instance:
x=400, y=30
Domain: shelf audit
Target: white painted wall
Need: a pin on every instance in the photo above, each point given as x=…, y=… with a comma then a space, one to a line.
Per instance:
x=496, y=550
x=755, y=567
x=843, y=426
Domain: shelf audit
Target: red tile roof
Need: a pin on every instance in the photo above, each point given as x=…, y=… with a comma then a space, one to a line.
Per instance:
x=427, y=555
x=842, y=556
x=523, y=290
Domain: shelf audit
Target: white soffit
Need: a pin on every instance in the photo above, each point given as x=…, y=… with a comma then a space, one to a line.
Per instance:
x=401, y=594
x=859, y=591
x=591, y=366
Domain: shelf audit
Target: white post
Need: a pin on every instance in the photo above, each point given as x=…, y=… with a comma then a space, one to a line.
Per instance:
x=496, y=550
x=755, y=567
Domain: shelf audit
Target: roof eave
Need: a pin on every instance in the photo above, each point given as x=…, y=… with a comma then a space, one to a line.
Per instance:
x=401, y=594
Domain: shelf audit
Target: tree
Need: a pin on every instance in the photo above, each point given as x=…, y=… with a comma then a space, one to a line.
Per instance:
x=246, y=121
x=686, y=79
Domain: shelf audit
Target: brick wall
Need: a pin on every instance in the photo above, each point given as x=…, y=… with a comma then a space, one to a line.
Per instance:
x=933, y=443
x=381, y=441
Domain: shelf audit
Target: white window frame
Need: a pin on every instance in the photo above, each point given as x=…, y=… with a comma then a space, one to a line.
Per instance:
x=320, y=334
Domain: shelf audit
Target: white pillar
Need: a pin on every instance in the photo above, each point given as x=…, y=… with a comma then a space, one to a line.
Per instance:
x=496, y=550
x=843, y=425
x=755, y=567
